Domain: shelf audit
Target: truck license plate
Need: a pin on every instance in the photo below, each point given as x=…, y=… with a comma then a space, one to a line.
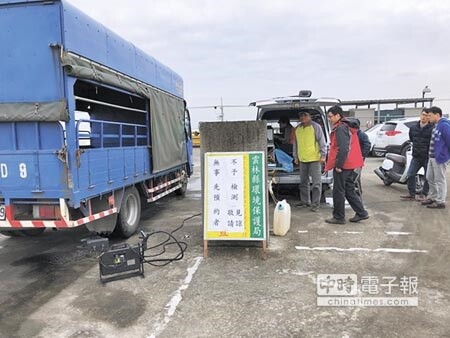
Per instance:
x=2, y=213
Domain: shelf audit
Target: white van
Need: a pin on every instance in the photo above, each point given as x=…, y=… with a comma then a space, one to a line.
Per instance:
x=290, y=106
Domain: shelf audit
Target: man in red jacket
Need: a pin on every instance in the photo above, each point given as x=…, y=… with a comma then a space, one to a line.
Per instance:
x=344, y=157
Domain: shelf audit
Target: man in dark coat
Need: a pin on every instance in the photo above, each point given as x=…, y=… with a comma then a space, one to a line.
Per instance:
x=365, y=145
x=420, y=136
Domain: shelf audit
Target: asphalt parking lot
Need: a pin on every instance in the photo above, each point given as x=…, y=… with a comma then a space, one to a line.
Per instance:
x=50, y=287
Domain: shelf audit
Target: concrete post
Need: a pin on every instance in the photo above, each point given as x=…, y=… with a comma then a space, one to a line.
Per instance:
x=234, y=136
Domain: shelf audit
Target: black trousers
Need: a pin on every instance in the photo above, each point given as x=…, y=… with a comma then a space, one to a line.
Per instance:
x=344, y=188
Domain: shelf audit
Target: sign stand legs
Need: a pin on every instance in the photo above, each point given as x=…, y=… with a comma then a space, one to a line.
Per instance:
x=205, y=249
x=264, y=253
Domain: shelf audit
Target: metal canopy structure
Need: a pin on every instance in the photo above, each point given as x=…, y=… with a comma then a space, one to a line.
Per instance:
x=397, y=102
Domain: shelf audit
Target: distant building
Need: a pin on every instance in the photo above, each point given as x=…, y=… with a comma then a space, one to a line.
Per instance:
x=371, y=112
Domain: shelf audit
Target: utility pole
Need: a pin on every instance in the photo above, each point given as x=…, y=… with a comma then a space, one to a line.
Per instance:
x=221, y=115
x=424, y=91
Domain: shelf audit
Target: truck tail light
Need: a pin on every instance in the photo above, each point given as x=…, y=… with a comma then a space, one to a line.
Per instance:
x=392, y=132
x=46, y=212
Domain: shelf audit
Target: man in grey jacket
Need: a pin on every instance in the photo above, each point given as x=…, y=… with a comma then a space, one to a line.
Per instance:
x=310, y=151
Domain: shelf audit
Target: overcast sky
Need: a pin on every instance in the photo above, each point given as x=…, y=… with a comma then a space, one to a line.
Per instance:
x=249, y=50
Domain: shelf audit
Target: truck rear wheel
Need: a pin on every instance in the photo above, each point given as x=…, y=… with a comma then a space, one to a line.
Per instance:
x=130, y=213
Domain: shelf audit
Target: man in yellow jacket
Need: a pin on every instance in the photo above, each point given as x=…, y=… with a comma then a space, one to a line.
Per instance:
x=310, y=151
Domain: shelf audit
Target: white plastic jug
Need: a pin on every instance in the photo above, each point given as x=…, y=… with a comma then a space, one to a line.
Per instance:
x=281, y=218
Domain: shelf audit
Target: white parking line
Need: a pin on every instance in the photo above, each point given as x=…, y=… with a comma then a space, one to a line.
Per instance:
x=171, y=307
x=399, y=233
x=400, y=250
x=390, y=233
x=349, y=232
x=335, y=232
x=294, y=272
x=331, y=248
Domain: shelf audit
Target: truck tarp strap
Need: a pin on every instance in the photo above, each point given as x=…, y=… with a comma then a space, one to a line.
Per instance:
x=166, y=111
x=33, y=112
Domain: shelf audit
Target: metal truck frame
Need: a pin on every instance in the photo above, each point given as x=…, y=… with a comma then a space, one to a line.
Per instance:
x=90, y=126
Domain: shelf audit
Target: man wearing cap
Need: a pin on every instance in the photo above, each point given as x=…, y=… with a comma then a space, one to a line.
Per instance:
x=310, y=151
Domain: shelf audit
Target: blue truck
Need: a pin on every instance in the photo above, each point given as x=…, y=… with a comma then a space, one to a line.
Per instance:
x=91, y=127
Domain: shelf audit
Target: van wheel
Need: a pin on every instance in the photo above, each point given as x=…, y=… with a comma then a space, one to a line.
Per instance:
x=130, y=213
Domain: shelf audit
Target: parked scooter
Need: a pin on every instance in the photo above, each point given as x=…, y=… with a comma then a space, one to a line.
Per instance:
x=394, y=169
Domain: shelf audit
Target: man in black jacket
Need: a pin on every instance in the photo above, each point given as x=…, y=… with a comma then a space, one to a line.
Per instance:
x=420, y=136
x=365, y=145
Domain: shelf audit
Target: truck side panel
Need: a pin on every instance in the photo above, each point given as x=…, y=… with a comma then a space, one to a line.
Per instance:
x=110, y=169
x=29, y=162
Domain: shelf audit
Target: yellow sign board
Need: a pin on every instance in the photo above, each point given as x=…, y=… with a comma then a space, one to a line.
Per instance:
x=235, y=196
